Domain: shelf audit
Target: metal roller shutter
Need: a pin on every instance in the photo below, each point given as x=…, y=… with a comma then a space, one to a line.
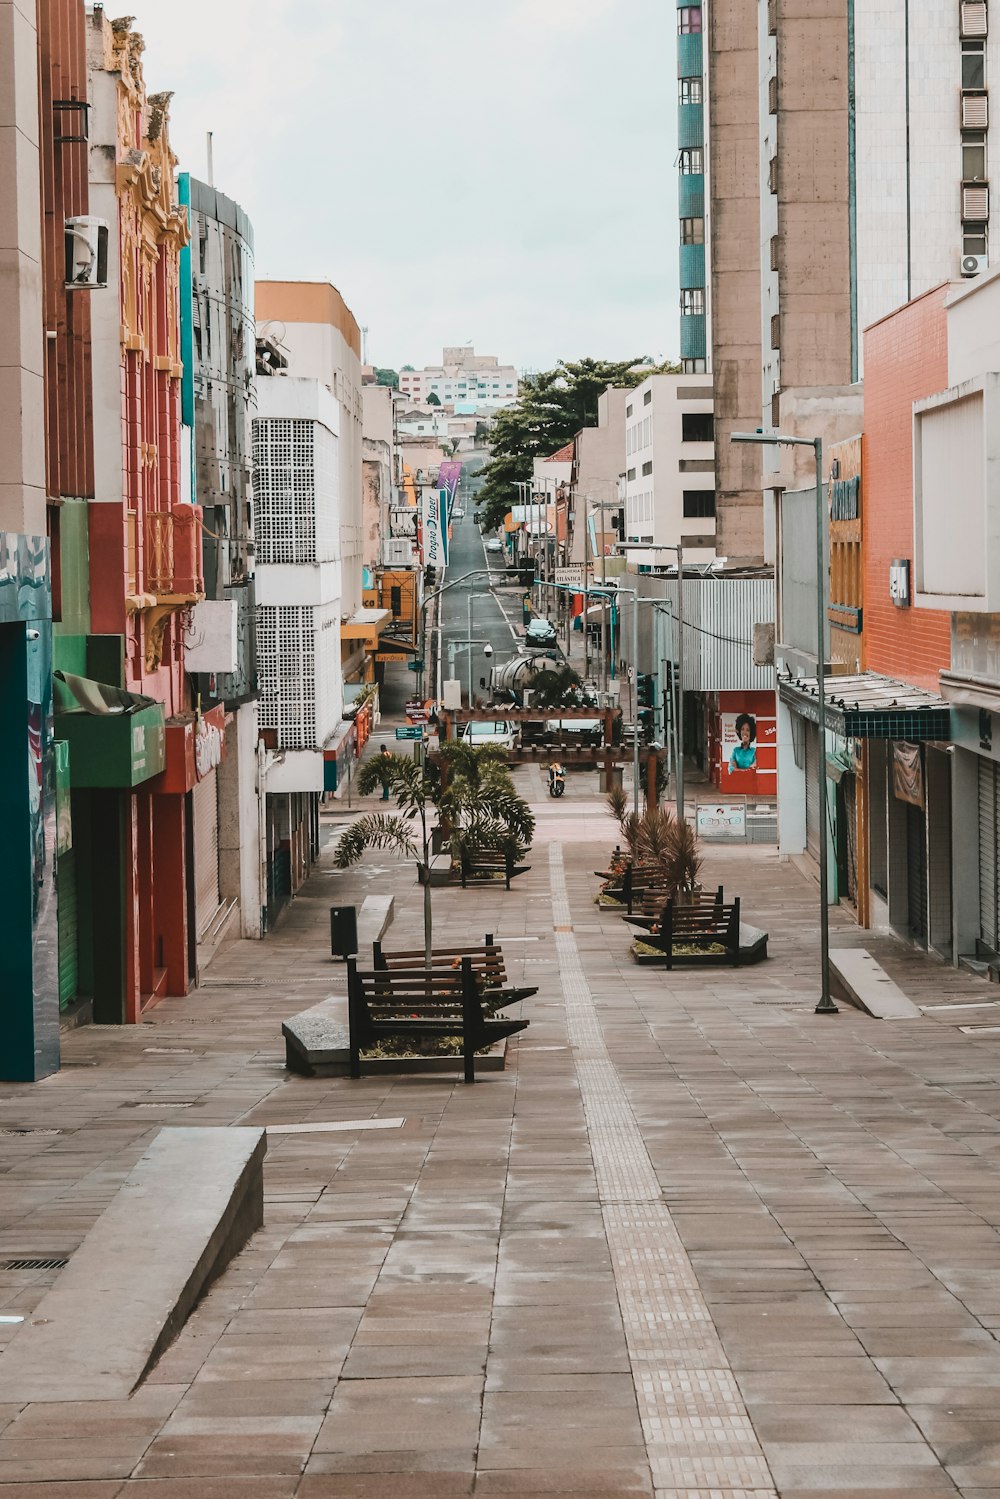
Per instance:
x=849, y=784
x=205, y=796
x=989, y=835
x=67, y=922
x=812, y=790
x=916, y=870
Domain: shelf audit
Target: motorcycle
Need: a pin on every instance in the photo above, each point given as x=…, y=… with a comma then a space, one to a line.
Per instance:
x=557, y=780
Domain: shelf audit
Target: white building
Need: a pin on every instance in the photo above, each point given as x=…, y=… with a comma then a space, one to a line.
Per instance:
x=670, y=465
x=463, y=376
x=322, y=340
x=300, y=577
x=923, y=147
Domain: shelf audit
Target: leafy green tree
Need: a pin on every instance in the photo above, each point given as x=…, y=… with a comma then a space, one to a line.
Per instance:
x=556, y=687
x=433, y=399
x=387, y=377
x=471, y=790
x=551, y=408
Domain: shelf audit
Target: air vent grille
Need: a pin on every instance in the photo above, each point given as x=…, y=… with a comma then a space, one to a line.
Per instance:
x=975, y=112
x=975, y=204
x=973, y=18
x=56, y=1263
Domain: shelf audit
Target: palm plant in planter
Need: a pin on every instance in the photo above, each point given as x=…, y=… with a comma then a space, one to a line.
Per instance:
x=474, y=798
x=479, y=805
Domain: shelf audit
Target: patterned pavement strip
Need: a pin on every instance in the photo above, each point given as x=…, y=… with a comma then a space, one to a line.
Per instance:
x=699, y=1438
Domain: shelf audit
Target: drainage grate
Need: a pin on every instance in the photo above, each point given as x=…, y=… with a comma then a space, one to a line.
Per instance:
x=11, y=1131
x=26, y=1264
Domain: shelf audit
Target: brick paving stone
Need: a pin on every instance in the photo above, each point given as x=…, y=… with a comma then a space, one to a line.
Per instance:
x=691, y=1236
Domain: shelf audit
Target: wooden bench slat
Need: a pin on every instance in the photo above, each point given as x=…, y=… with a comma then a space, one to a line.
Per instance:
x=443, y=1002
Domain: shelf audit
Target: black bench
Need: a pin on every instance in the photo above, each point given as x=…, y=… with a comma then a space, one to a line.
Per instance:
x=486, y=863
x=656, y=900
x=699, y=926
x=422, y=1002
x=487, y=965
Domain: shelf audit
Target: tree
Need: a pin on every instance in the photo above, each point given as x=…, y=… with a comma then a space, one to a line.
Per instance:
x=551, y=408
x=387, y=377
x=473, y=793
x=556, y=687
x=433, y=399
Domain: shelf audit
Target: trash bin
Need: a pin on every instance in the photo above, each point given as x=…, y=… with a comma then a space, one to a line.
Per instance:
x=343, y=931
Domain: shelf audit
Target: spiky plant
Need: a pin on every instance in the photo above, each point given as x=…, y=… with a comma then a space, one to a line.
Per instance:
x=683, y=862
x=479, y=802
x=656, y=827
x=630, y=834
x=617, y=802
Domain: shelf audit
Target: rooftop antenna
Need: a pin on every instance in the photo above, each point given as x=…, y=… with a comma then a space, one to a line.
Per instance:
x=364, y=346
x=209, y=168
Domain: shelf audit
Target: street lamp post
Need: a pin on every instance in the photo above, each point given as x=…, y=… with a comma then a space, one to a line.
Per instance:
x=826, y=1005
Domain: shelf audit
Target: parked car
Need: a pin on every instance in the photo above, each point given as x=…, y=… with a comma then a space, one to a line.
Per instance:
x=586, y=730
x=540, y=633
x=490, y=731
x=494, y=544
x=458, y=515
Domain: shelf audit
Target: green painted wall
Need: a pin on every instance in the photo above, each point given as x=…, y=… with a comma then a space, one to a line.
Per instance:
x=74, y=565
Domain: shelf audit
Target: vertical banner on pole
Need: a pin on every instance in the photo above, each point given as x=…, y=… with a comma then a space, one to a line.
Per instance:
x=443, y=524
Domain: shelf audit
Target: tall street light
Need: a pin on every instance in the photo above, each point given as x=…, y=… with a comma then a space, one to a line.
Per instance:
x=772, y=439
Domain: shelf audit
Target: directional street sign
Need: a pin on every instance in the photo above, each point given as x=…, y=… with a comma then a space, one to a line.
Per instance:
x=410, y=731
x=415, y=665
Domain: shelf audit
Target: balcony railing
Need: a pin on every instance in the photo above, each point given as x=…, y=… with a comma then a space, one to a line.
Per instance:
x=172, y=560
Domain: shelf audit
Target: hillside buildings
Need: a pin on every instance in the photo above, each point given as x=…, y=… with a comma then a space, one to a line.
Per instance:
x=464, y=378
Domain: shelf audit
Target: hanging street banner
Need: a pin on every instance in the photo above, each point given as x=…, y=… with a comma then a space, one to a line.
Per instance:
x=434, y=527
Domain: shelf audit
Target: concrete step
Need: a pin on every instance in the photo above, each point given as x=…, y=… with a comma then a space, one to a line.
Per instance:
x=184, y=1210
x=318, y=1040
x=864, y=983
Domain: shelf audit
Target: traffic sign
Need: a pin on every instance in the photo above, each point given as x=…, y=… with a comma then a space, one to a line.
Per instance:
x=417, y=665
x=569, y=577
x=410, y=731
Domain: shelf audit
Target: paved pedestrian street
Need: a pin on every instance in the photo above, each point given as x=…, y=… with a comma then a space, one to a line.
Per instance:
x=694, y=1241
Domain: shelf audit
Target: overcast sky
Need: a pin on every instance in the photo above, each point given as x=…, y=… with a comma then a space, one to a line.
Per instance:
x=500, y=171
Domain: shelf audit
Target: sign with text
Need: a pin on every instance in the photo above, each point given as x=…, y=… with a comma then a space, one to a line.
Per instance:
x=721, y=820
x=410, y=731
x=569, y=577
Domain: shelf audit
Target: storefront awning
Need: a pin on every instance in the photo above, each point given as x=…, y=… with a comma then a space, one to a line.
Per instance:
x=115, y=738
x=870, y=706
x=365, y=624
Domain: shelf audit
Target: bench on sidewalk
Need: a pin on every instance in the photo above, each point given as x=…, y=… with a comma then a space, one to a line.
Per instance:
x=420, y=1002
x=656, y=900
x=184, y=1210
x=700, y=927
x=486, y=864
x=487, y=964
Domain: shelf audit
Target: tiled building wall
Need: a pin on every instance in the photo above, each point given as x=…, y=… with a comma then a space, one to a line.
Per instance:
x=906, y=358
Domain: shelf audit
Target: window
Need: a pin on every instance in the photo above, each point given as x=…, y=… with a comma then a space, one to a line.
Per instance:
x=692, y=231
x=694, y=366
x=972, y=244
x=973, y=65
x=647, y=397
x=697, y=426
x=647, y=469
x=628, y=412
x=689, y=19
x=699, y=504
x=973, y=160
x=690, y=91
x=693, y=301
x=691, y=161
x=630, y=475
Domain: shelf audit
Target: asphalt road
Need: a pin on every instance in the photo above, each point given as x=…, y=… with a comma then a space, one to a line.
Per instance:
x=489, y=622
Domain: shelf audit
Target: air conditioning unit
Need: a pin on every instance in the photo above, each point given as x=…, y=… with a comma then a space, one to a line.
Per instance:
x=974, y=265
x=86, y=241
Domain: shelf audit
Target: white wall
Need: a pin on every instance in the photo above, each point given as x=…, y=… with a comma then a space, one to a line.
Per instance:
x=654, y=435
x=105, y=306
x=22, y=392
x=934, y=149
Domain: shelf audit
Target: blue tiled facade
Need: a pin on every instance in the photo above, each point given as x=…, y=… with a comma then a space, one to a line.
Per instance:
x=691, y=188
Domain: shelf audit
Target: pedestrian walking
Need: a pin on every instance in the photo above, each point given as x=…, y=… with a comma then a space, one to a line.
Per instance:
x=385, y=757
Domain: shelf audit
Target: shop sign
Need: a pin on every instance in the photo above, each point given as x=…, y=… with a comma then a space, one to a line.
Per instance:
x=569, y=577
x=391, y=656
x=721, y=820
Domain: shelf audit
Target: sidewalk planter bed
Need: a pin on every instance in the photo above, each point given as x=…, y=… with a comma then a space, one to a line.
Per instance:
x=752, y=949
x=376, y=1063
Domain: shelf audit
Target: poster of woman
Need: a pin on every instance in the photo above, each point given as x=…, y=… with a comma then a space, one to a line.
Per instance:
x=744, y=755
